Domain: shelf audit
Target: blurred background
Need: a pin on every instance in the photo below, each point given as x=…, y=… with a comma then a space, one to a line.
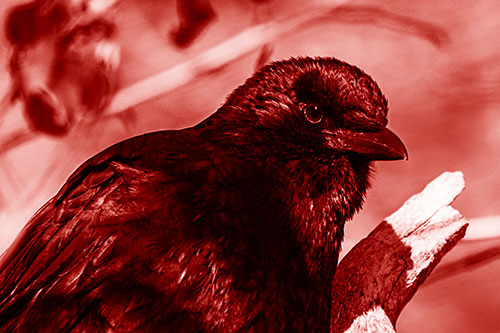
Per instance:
x=80, y=75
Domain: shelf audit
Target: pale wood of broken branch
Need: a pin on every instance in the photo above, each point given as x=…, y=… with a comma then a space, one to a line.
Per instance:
x=380, y=275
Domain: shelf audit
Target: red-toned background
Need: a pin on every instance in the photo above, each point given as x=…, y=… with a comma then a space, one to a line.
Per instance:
x=437, y=62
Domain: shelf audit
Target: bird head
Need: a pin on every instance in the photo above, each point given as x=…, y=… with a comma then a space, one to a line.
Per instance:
x=324, y=105
x=314, y=123
x=321, y=106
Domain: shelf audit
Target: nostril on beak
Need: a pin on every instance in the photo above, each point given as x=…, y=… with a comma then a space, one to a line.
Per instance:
x=46, y=114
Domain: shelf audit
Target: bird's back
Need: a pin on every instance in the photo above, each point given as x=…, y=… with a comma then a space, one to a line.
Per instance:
x=89, y=257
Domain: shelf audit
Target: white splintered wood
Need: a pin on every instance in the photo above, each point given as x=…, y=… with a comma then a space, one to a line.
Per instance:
x=380, y=275
x=422, y=206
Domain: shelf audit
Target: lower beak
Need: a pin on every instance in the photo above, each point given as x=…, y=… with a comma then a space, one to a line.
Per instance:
x=376, y=146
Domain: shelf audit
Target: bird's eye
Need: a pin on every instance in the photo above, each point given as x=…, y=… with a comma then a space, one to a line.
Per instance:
x=312, y=113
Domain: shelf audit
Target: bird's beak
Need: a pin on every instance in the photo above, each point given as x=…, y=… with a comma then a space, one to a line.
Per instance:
x=376, y=146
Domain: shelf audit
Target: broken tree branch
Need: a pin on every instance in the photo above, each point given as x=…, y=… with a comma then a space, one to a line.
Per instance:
x=380, y=275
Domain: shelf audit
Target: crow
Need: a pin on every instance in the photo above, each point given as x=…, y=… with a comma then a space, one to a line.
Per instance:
x=234, y=224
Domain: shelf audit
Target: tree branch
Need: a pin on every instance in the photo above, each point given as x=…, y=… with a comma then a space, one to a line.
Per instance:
x=380, y=275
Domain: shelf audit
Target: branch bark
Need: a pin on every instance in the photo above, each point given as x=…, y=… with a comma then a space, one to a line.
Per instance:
x=380, y=275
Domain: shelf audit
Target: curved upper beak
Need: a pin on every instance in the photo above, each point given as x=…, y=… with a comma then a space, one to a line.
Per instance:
x=376, y=146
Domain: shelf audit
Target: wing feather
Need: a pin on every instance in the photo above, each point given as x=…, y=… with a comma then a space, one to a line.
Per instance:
x=87, y=237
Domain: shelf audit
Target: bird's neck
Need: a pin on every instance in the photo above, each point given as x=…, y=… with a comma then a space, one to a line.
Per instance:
x=318, y=203
x=322, y=197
